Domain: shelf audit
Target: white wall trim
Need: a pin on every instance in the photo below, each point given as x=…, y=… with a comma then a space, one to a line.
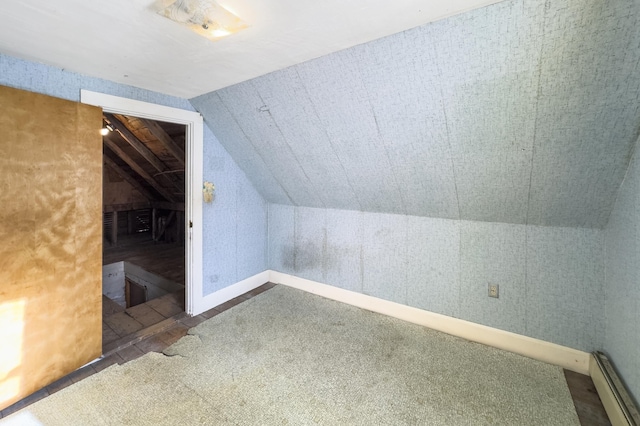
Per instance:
x=219, y=297
x=194, y=154
x=562, y=356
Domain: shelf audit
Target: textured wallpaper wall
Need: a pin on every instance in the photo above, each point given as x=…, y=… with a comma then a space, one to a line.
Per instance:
x=551, y=279
x=622, y=288
x=235, y=224
x=525, y=112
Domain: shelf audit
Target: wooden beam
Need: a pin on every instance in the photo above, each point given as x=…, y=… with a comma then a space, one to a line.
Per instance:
x=180, y=220
x=131, y=217
x=114, y=229
x=148, y=155
x=168, y=206
x=153, y=224
x=126, y=206
x=164, y=138
x=164, y=225
x=126, y=176
x=139, y=170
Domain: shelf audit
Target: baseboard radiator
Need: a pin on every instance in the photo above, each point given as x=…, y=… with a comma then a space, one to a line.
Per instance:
x=619, y=405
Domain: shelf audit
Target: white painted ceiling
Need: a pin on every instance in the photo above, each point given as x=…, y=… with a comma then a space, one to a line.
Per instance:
x=125, y=41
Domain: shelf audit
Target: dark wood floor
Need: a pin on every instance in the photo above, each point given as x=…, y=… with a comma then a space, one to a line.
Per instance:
x=586, y=400
x=166, y=260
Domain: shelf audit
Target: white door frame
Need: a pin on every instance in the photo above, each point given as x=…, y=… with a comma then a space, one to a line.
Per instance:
x=193, y=199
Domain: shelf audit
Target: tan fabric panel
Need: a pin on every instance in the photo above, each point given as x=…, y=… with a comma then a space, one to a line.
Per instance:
x=50, y=240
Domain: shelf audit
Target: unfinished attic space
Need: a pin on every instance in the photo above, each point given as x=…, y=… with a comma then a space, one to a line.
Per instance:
x=143, y=226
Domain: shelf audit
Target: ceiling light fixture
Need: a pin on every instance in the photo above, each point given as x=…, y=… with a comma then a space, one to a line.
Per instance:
x=205, y=17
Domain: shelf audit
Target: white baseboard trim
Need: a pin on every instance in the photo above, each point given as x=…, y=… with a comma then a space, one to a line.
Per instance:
x=219, y=297
x=562, y=356
x=615, y=399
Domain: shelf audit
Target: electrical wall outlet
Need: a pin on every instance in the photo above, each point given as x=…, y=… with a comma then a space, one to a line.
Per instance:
x=494, y=290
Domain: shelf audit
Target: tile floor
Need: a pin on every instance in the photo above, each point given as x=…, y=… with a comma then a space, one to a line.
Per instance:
x=118, y=322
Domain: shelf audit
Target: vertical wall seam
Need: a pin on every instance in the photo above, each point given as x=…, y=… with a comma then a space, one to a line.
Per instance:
x=547, y=6
x=526, y=280
x=268, y=239
x=295, y=214
x=459, y=313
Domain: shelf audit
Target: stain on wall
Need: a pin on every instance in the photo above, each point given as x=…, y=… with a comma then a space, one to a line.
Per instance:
x=551, y=278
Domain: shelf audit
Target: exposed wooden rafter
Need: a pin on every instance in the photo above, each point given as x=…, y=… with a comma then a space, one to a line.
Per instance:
x=167, y=206
x=166, y=140
x=164, y=225
x=127, y=177
x=139, y=170
x=142, y=149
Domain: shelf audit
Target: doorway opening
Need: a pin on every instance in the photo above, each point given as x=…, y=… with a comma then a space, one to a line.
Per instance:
x=144, y=187
x=188, y=219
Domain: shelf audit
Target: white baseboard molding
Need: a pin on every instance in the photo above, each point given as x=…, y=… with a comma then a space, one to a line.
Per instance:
x=614, y=397
x=562, y=356
x=219, y=297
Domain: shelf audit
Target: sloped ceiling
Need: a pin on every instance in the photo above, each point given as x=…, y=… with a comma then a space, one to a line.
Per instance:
x=520, y=112
x=127, y=42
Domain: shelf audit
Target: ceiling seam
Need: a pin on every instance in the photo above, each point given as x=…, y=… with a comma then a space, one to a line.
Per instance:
x=634, y=150
x=315, y=111
x=254, y=148
x=446, y=123
x=547, y=5
x=316, y=193
x=422, y=183
x=382, y=139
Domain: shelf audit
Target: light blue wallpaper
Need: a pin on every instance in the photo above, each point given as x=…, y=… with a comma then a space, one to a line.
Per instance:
x=622, y=287
x=63, y=84
x=551, y=279
x=523, y=112
x=235, y=224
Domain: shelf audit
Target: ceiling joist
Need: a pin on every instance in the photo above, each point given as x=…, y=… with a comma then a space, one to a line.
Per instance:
x=139, y=170
x=166, y=140
x=142, y=149
x=127, y=177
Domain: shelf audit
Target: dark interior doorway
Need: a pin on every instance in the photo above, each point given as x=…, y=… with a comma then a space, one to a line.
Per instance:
x=143, y=226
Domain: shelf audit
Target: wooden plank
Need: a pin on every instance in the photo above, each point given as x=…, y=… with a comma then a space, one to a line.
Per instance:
x=126, y=176
x=180, y=219
x=164, y=225
x=126, y=207
x=131, y=217
x=153, y=224
x=139, y=170
x=114, y=229
x=148, y=155
x=166, y=140
x=168, y=206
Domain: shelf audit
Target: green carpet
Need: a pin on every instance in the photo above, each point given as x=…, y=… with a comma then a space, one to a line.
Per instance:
x=286, y=357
